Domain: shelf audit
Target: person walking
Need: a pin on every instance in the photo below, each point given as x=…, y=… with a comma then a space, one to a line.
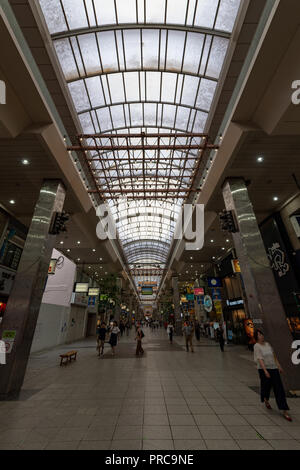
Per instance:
x=139, y=336
x=188, y=331
x=113, y=340
x=269, y=371
x=127, y=326
x=170, y=332
x=101, y=333
x=220, y=338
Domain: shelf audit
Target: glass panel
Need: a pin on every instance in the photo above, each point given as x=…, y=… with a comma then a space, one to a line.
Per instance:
x=150, y=48
x=66, y=59
x=132, y=43
x=104, y=119
x=206, y=13
x=168, y=87
x=182, y=118
x=108, y=52
x=153, y=80
x=90, y=12
x=95, y=92
x=105, y=12
x=117, y=116
x=136, y=114
x=200, y=122
x=75, y=13
x=190, y=88
x=126, y=10
x=155, y=11
x=168, y=115
x=132, y=86
x=227, y=15
x=176, y=11
x=53, y=15
x=193, y=51
x=116, y=88
x=89, y=52
x=217, y=56
x=86, y=123
x=206, y=94
x=175, y=49
x=79, y=96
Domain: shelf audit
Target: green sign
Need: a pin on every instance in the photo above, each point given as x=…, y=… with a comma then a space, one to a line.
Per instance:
x=9, y=334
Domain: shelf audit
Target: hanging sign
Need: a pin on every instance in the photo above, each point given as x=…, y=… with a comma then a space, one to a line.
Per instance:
x=236, y=266
x=208, y=303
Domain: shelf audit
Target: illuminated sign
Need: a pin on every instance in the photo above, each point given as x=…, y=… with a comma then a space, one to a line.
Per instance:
x=236, y=265
x=81, y=287
x=94, y=291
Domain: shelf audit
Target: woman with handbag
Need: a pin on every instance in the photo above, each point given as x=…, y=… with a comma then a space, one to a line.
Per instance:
x=269, y=371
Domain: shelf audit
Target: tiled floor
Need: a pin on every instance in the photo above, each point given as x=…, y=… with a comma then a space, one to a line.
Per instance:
x=168, y=399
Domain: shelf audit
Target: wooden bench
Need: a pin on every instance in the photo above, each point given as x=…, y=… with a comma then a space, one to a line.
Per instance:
x=68, y=357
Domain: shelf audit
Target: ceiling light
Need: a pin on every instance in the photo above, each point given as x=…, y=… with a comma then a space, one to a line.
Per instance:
x=260, y=159
x=223, y=248
x=275, y=198
x=213, y=257
x=100, y=259
x=12, y=201
x=61, y=242
x=227, y=241
x=78, y=259
x=94, y=250
x=211, y=241
x=25, y=161
x=68, y=250
x=78, y=243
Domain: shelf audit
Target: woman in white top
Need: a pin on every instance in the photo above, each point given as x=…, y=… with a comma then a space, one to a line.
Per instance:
x=269, y=371
x=113, y=341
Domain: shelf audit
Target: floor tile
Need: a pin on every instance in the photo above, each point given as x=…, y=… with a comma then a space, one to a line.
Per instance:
x=156, y=420
x=124, y=444
x=128, y=432
x=181, y=420
x=156, y=432
x=214, y=432
x=207, y=420
x=185, y=432
x=189, y=444
x=158, y=444
x=221, y=445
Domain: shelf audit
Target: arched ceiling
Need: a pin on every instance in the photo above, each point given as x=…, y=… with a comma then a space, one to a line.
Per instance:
x=134, y=66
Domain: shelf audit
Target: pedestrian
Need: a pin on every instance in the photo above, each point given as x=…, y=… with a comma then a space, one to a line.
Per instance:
x=113, y=340
x=170, y=332
x=269, y=371
x=220, y=338
x=101, y=333
x=188, y=331
x=139, y=336
x=127, y=326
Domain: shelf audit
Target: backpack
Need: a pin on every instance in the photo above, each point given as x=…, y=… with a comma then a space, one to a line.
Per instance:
x=142, y=334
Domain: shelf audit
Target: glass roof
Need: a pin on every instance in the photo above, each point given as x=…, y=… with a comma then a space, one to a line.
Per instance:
x=150, y=66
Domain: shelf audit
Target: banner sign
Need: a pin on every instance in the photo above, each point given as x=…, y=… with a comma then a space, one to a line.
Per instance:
x=214, y=282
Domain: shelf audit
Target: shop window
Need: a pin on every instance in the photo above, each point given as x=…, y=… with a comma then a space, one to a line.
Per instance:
x=11, y=256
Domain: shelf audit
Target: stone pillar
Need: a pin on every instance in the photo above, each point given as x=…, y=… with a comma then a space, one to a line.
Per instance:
x=263, y=300
x=25, y=299
x=176, y=301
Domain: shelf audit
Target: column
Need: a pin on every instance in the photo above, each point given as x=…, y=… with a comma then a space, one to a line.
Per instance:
x=26, y=296
x=176, y=301
x=263, y=300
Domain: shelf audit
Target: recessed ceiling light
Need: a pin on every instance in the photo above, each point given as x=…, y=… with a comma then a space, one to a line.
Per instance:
x=68, y=250
x=78, y=259
x=25, y=161
x=211, y=241
x=94, y=250
x=227, y=241
x=223, y=249
x=213, y=257
x=100, y=259
x=61, y=242
x=191, y=257
x=260, y=159
x=78, y=243
x=12, y=201
x=275, y=198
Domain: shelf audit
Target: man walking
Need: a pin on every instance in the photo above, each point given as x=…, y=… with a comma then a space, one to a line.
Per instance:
x=188, y=331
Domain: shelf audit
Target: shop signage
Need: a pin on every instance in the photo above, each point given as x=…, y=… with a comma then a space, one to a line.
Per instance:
x=218, y=307
x=80, y=299
x=214, y=282
x=94, y=291
x=216, y=294
x=52, y=266
x=81, y=287
x=9, y=337
x=199, y=291
x=235, y=302
x=190, y=297
x=236, y=266
x=208, y=303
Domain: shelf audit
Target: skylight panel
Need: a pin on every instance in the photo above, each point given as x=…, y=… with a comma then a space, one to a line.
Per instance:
x=54, y=16
x=227, y=15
